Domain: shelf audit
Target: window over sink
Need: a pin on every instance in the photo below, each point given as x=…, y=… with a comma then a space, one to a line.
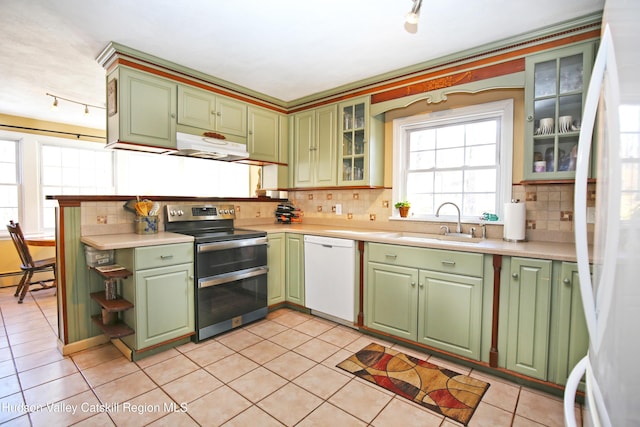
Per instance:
x=461, y=155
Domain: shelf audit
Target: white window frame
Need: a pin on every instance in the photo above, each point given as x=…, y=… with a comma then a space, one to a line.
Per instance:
x=503, y=110
x=18, y=182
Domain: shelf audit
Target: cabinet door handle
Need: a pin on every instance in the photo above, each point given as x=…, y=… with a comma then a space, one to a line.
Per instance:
x=392, y=256
x=514, y=275
x=448, y=262
x=173, y=116
x=530, y=118
x=421, y=285
x=219, y=114
x=566, y=281
x=166, y=256
x=413, y=284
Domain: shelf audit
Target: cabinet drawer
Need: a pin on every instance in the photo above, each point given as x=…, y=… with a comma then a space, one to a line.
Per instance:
x=397, y=254
x=465, y=263
x=163, y=255
x=456, y=262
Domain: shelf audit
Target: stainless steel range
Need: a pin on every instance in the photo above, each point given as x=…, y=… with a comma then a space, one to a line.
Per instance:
x=230, y=265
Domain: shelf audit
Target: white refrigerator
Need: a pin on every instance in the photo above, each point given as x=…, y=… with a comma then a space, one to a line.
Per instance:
x=611, y=297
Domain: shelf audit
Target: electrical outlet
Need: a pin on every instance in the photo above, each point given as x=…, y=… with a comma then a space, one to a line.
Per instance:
x=338, y=209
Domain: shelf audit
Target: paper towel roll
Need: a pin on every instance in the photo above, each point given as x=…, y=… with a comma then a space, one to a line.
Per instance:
x=514, y=221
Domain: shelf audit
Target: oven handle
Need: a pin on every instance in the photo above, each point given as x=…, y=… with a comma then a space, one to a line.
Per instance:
x=230, y=244
x=233, y=276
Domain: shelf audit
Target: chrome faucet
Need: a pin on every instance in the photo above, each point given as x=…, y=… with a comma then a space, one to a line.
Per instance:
x=459, y=226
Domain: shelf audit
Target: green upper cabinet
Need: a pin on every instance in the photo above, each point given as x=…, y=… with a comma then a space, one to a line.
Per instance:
x=529, y=311
x=201, y=109
x=572, y=338
x=141, y=111
x=361, y=145
x=265, y=135
x=555, y=91
x=314, y=147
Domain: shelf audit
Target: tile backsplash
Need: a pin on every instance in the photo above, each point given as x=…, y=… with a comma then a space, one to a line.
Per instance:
x=549, y=217
x=549, y=211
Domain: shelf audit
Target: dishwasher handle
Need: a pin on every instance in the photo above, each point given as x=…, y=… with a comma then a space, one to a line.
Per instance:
x=328, y=242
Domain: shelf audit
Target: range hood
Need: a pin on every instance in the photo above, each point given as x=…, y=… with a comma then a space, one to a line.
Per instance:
x=209, y=146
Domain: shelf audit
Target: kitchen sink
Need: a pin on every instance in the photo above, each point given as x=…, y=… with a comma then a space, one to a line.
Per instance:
x=424, y=237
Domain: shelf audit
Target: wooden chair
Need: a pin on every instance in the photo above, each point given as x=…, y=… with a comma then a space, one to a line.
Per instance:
x=29, y=265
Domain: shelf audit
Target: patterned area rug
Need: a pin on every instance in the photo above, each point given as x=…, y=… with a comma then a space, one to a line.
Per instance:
x=444, y=391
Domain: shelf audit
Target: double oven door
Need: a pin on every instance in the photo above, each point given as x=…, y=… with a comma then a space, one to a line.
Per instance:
x=231, y=284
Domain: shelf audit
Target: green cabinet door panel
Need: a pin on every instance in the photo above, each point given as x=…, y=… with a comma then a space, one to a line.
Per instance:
x=450, y=312
x=573, y=337
x=231, y=116
x=295, y=269
x=391, y=299
x=264, y=135
x=147, y=109
x=529, y=314
x=276, y=258
x=326, y=146
x=164, y=304
x=304, y=140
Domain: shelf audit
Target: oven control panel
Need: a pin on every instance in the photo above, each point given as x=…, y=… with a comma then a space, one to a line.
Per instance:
x=199, y=212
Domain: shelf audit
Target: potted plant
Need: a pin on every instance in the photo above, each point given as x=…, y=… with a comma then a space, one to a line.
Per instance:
x=403, y=207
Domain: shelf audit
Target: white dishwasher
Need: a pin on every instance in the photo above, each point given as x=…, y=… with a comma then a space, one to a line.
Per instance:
x=329, y=277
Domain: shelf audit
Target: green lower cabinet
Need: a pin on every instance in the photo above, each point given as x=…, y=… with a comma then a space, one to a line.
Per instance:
x=391, y=299
x=294, y=283
x=276, y=257
x=572, y=338
x=161, y=290
x=529, y=310
x=450, y=312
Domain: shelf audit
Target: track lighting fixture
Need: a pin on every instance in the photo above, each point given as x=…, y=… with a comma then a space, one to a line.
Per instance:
x=54, y=106
x=411, y=19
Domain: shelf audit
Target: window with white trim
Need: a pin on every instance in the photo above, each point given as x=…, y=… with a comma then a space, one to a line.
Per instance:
x=34, y=166
x=85, y=170
x=461, y=155
x=9, y=182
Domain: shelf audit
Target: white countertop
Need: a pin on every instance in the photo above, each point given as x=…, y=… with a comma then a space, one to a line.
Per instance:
x=537, y=249
x=132, y=240
x=541, y=250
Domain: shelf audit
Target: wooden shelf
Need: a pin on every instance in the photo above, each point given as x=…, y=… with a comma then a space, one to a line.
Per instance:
x=117, y=330
x=111, y=305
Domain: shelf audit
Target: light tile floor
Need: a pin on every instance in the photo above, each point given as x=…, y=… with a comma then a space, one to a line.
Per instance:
x=278, y=371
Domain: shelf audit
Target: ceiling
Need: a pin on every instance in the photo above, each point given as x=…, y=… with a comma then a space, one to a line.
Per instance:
x=287, y=49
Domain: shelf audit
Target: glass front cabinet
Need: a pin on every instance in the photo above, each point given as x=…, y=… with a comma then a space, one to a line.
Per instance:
x=555, y=90
x=361, y=145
